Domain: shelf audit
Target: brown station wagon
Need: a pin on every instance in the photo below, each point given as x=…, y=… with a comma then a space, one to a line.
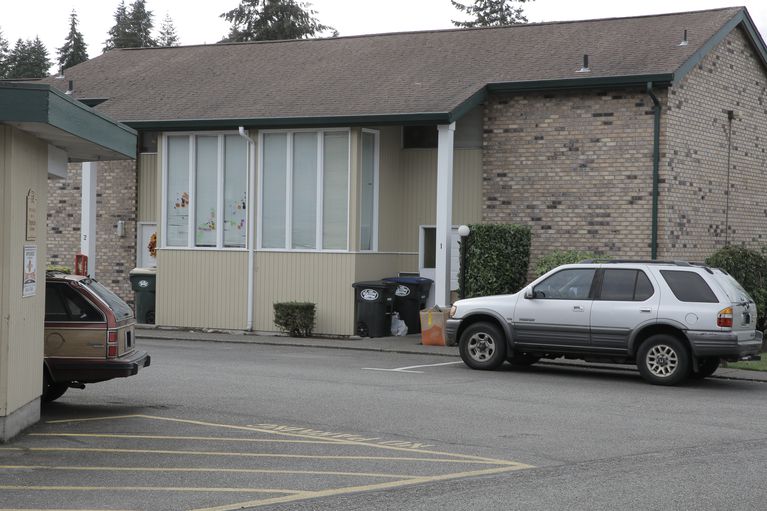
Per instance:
x=89, y=335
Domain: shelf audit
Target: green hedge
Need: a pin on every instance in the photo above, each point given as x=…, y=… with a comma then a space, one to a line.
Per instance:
x=749, y=267
x=295, y=318
x=560, y=257
x=497, y=257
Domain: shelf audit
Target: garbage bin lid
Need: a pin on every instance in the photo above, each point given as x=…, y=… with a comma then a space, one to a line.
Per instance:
x=380, y=284
x=143, y=271
x=409, y=280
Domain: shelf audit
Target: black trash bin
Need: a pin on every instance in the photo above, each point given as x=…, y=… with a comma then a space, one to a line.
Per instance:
x=373, y=303
x=409, y=298
x=143, y=281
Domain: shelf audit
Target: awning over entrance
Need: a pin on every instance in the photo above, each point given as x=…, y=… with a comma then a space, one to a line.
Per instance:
x=63, y=122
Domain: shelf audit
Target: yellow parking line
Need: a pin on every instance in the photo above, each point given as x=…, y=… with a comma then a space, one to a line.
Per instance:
x=150, y=488
x=477, y=459
x=212, y=469
x=355, y=489
x=171, y=437
x=255, y=455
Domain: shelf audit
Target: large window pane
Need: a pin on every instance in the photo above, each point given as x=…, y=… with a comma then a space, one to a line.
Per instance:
x=273, y=193
x=206, y=194
x=177, y=200
x=304, y=191
x=335, y=190
x=367, y=191
x=235, y=190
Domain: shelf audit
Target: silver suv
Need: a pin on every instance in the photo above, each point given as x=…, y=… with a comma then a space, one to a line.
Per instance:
x=673, y=319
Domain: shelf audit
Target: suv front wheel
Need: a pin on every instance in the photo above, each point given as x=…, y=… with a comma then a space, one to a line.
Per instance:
x=663, y=360
x=482, y=346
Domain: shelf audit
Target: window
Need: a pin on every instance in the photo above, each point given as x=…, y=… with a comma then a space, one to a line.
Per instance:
x=305, y=190
x=625, y=286
x=368, y=190
x=573, y=284
x=62, y=303
x=206, y=181
x=688, y=286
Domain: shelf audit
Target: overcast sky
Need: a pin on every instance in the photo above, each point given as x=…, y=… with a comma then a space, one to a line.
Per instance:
x=198, y=22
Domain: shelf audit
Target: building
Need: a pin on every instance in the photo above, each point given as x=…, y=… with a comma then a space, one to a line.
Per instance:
x=280, y=171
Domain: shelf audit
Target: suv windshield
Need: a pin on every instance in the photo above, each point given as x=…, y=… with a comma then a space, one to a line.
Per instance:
x=121, y=309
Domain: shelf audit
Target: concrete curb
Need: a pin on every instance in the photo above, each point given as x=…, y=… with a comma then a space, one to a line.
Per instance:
x=399, y=345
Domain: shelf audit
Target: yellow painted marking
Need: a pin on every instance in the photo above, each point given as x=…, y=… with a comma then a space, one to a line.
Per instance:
x=296, y=435
x=252, y=455
x=212, y=469
x=171, y=437
x=355, y=489
x=149, y=488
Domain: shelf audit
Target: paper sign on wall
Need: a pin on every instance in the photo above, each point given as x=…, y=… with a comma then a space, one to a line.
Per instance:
x=30, y=271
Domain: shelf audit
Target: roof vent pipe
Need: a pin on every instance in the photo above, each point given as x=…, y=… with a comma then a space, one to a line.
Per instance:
x=71, y=87
x=684, y=39
x=585, y=68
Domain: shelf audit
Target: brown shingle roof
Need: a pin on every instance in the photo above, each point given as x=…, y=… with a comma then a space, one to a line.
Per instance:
x=402, y=73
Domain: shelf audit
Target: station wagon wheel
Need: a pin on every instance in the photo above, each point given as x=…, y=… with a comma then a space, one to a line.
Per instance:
x=663, y=360
x=482, y=346
x=52, y=390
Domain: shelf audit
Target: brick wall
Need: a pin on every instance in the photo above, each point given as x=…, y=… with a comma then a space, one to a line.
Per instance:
x=576, y=167
x=115, y=200
x=694, y=217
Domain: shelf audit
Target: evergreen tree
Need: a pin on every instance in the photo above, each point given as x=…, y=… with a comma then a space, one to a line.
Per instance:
x=168, y=36
x=4, y=54
x=74, y=51
x=262, y=20
x=141, y=24
x=132, y=28
x=491, y=13
x=28, y=59
x=118, y=34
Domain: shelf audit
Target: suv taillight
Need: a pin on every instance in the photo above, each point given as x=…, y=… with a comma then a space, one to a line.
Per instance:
x=724, y=318
x=111, y=344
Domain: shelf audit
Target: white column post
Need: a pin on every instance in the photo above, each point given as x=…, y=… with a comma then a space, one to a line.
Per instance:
x=444, y=212
x=88, y=214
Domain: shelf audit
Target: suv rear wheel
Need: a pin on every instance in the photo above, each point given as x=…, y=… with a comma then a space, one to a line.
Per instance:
x=663, y=360
x=482, y=346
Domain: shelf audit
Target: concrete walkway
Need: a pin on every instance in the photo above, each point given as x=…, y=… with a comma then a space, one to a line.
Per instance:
x=409, y=344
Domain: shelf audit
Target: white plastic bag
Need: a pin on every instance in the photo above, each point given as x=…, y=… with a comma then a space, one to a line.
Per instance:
x=398, y=327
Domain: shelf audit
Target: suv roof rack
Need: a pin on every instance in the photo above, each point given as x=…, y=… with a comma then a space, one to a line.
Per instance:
x=646, y=261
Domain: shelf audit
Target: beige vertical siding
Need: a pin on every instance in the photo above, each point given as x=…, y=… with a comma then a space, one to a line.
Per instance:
x=415, y=194
x=198, y=288
x=389, y=189
x=23, y=166
x=322, y=278
x=147, y=203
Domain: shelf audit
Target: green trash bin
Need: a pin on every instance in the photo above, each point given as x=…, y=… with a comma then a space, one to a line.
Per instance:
x=143, y=281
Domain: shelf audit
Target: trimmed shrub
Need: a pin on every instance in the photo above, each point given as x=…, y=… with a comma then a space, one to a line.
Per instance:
x=749, y=267
x=295, y=318
x=560, y=257
x=58, y=268
x=497, y=256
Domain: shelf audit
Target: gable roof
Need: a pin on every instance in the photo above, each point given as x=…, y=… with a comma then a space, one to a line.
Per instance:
x=432, y=76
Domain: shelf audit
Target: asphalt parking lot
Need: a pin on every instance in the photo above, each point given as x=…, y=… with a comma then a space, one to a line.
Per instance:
x=211, y=466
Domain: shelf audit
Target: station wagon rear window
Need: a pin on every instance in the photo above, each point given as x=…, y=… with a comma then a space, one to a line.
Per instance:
x=688, y=286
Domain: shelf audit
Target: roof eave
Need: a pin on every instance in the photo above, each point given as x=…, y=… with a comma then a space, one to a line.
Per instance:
x=741, y=17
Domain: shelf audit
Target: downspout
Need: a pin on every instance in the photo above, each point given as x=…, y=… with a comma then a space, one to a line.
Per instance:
x=655, y=171
x=251, y=227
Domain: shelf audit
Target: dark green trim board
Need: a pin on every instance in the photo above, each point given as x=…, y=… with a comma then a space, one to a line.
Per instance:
x=42, y=104
x=581, y=83
x=741, y=18
x=655, y=170
x=469, y=104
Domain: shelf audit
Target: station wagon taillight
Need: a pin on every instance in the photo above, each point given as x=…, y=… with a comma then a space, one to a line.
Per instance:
x=112, y=344
x=724, y=318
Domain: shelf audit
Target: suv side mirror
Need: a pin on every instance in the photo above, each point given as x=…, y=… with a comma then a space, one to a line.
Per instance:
x=529, y=293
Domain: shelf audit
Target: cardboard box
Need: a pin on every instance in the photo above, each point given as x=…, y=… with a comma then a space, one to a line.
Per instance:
x=433, y=326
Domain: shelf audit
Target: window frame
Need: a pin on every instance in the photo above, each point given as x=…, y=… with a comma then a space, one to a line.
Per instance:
x=592, y=288
x=289, y=190
x=376, y=170
x=192, y=180
x=601, y=280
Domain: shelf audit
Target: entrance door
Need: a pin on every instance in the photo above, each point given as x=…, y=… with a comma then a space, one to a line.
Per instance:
x=427, y=257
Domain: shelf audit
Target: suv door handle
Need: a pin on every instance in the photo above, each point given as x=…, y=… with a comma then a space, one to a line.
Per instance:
x=577, y=308
x=645, y=309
